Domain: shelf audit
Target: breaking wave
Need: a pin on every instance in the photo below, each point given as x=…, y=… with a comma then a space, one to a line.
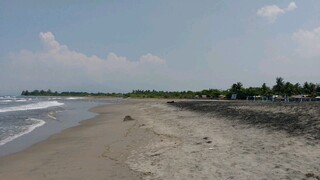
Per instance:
x=38, y=105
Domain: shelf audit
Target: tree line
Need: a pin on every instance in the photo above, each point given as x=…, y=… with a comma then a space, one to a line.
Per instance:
x=280, y=88
x=67, y=93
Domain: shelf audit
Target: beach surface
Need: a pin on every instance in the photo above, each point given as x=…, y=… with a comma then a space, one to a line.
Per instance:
x=171, y=141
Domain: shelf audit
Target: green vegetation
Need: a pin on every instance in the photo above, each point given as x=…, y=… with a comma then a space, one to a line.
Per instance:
x=281, y=88
x=211, y=93
x=81, y=94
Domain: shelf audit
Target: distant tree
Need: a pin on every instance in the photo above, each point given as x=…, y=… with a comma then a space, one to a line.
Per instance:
x=265, y=90
x=306, y=88
x=288, y=89
x=313, y=89
x=251, y=91
x=297, y=89
x=237, y=87
x=214, y=93
x=318, y=89
x=309, y=88
x=35, y=93
x=279, y=87
x=42, y=92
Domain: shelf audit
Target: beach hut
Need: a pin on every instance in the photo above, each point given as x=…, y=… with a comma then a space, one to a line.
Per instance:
x=302, y=98
x=298, y=98
x=222, y=97
x=277, y=98
x=204, y=96
x=234, y=96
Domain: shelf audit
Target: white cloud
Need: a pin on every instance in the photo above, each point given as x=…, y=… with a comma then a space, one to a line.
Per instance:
x=308, y=42
x=292, y=6
x=49, y=40
x=271, y=12
x=56, y=66
x=295, y=57
x=149, y=58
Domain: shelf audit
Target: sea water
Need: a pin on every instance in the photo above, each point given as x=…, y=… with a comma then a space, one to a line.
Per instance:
x=28, y=120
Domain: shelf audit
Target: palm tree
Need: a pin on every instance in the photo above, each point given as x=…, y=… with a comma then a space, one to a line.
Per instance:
x=265, y=90
x=279, y=87
x=236, y=87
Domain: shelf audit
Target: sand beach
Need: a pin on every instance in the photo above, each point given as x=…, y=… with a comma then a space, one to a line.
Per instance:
x=183, y=140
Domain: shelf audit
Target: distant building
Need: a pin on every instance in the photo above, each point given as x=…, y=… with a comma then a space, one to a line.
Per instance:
x=277, y=98
x=204, y=96
x=234, y=96
x=300, y=98
x=222, y=97
x=201, y=97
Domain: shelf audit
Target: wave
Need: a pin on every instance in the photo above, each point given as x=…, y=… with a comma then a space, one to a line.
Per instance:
x=20, y=100
x=35, y=123
x=7, y=97
x=7, y=100
x=55, y=98
x=73, y=98
x=39, y=105
x=14, y=100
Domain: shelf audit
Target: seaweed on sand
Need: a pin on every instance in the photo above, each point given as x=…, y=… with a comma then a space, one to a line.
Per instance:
x=297, y=119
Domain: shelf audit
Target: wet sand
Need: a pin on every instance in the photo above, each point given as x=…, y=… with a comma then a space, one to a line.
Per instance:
x=96, y=149
x=172, y=141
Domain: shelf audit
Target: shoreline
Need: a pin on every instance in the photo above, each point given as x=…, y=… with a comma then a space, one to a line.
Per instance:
x=55, y=121
x=86, y=145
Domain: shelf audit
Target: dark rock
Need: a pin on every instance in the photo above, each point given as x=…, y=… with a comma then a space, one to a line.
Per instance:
x=311, y=175
x=128, y=118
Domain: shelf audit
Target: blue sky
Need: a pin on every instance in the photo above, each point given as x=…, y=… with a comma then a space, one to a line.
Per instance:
x=165, y=45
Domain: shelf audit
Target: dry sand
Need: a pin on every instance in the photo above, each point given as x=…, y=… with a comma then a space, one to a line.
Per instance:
x=165, y=142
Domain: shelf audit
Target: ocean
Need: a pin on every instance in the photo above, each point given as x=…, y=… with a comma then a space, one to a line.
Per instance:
x=28, y=120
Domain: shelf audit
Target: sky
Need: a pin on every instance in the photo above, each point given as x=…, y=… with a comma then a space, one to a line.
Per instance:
x=118, y=46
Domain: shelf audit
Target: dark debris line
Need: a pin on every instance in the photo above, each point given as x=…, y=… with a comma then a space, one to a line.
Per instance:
x=299, y=122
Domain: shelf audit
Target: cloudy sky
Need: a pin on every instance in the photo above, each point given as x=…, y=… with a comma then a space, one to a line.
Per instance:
x=81, y=45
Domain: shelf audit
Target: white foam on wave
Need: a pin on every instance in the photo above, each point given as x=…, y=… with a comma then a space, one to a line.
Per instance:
x=54, y=98
x=7, y=100
x=73, y=98
x=36, y=123
x=20, y=100
x=39, y=105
